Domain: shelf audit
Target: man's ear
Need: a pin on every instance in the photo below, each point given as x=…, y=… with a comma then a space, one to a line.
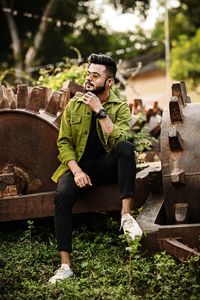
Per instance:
x=110, y=81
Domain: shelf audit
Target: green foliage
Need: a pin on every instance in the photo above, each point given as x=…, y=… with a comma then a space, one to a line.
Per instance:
x=11, y=77
x=185, y=59
x=55, y=77
x=139, y=136
x=102, y=266
x=130, y=5
x=191, y=9
x=142, y=140
x=82, y=28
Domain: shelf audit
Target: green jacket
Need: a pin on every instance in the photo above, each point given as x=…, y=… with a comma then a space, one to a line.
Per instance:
x=75, y=127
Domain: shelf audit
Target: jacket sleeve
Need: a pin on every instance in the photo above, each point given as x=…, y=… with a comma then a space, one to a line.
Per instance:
x=121, y=126
x=65, y=140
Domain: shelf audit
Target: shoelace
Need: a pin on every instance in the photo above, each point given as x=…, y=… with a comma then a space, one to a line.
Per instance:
x=127, y=222
x=60, y=271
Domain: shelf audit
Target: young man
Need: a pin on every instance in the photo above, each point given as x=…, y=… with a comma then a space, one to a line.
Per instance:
x=93, y=150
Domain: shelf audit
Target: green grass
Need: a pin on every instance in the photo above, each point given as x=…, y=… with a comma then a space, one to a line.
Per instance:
x=102, y=266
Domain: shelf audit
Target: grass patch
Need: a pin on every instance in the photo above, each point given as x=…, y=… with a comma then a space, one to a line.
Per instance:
x=103, y=268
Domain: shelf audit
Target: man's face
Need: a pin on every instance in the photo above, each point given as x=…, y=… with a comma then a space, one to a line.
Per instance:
x=96, y=77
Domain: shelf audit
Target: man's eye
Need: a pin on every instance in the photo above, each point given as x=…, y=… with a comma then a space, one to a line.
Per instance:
x=95, y=76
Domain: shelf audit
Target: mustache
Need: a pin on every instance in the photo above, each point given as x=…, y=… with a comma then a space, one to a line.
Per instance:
x=88, y=82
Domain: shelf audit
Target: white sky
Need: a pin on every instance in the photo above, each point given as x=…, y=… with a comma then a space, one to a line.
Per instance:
x=124, y=22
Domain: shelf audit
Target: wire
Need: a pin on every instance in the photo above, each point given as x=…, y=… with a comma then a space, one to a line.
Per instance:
x=58, y=22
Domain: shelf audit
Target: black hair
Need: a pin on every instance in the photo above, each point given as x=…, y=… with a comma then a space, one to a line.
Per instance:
x=106, y=60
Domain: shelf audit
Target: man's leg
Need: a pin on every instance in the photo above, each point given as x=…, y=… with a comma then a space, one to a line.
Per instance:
x=126, y=178
x=66, y=195
x=127, y=204
x=119, y=166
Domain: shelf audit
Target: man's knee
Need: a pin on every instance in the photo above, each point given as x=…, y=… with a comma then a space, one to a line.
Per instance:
x=125, y=148
x=65, y=193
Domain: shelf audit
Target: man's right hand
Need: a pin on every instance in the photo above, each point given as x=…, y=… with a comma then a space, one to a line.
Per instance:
x=82, y=180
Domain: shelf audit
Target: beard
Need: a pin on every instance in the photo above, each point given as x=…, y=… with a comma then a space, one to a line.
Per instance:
x=97, y=90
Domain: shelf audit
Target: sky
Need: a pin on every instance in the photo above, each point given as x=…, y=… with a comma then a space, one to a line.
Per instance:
x=125, y=22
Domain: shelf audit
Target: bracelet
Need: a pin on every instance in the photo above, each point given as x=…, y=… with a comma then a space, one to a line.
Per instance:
x=76, y=172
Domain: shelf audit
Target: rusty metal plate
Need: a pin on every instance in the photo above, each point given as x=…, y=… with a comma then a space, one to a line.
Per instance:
x=29, y=143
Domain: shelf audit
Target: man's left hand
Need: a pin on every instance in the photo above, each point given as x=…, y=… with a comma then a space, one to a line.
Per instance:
x=93, y=101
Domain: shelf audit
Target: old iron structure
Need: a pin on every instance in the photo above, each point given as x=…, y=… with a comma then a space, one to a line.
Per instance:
x=29, y=125
x=171, y=217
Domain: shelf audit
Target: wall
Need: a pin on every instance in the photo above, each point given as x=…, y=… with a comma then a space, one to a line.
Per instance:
x=151, y=86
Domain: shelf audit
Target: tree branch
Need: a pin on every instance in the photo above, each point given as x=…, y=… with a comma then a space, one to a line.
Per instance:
x=16, y=43
x=32, y=51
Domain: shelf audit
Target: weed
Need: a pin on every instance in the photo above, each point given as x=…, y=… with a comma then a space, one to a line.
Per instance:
x=103, y=268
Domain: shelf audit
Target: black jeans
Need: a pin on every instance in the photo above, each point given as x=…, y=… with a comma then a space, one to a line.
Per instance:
x=116, y=166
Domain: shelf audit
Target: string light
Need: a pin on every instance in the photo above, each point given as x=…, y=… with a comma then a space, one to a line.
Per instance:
x=58, y=22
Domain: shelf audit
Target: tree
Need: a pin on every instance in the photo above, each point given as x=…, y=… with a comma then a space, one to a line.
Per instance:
x=42, y=29
x=15, y=36
x=185, y=59
x=185, y=43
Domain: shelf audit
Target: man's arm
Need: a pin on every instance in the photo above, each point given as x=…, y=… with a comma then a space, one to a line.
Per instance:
x=65, y=140
x=112, y=132
x=67, y=153
x=121, y=126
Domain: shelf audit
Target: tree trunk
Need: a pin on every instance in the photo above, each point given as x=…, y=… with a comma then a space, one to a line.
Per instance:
x=16, y=43
x=33, y=50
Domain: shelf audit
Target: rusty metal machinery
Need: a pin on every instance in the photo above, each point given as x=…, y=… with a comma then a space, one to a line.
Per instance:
x=29, y=124
x=169, y=190
x=180, y=155
x=172, y=218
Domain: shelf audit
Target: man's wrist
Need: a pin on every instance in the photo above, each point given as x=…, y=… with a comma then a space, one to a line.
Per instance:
x=101, y=114
x=74, y=172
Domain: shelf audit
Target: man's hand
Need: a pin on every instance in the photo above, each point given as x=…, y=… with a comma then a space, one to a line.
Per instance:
x=93, y=101
x=82, y=180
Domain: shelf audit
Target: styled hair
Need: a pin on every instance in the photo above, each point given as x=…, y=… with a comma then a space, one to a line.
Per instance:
x=106, y=60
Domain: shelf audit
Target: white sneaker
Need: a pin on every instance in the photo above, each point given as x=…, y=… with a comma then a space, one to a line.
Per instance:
x=130, y=227
x=61, y=274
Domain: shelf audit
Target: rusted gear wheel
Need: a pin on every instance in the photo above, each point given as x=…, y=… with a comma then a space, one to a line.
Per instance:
x=180, y=156
x=29, y=124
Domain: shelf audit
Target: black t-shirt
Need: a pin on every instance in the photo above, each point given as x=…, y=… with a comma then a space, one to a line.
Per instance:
x=94, y=147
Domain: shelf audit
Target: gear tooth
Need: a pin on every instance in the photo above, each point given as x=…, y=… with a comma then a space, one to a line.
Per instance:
x=58, y=119
x=54, y=103
x=11, y=98
x=178, y=177
x=22, y=95
x=176, y=114
x=175, y=140
x=176, y=91
x=66, y=97
x=44, y=96
x=3, y=100
x=179, y=90
x=1, y=93
x=181, y=212
x=49, y=95
x=35, y=100
x=4, y=103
